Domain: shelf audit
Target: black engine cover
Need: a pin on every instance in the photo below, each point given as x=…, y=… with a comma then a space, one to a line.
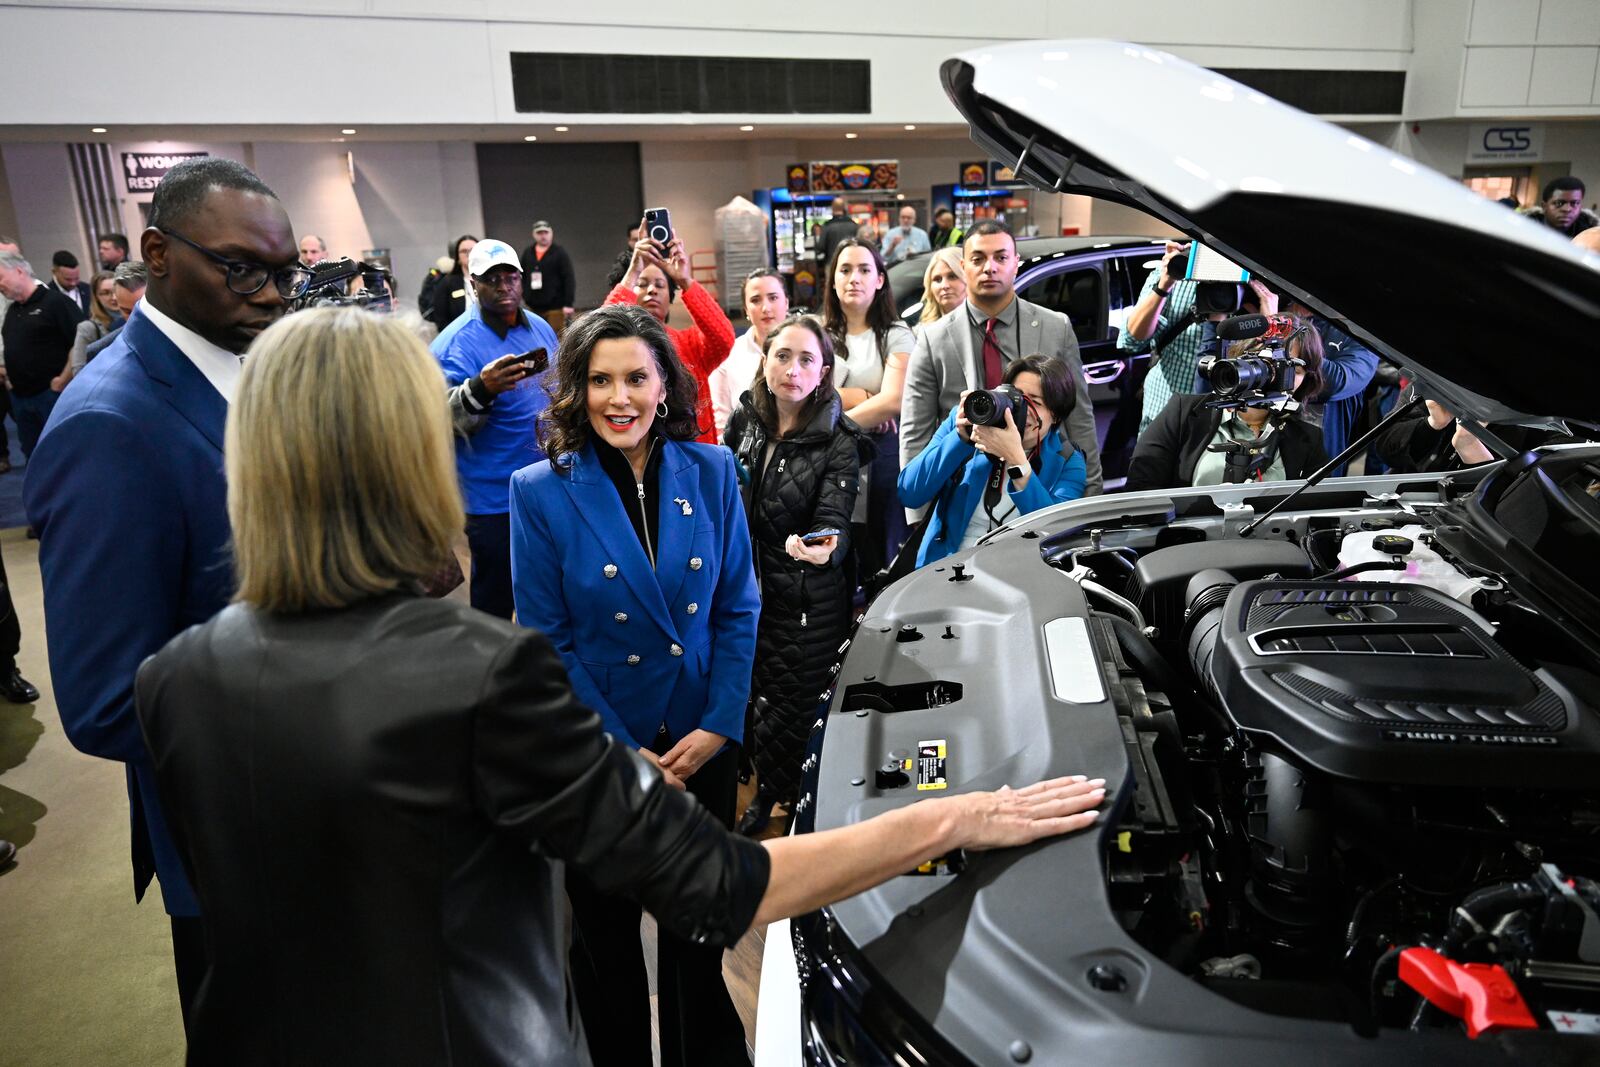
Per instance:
x=1390, y=683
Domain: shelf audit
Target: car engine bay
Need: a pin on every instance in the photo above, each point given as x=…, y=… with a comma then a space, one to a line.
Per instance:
x=1363, y=750
x=1369, y=801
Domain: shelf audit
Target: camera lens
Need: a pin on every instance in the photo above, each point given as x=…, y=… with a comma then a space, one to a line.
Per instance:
x=980, y=407
x=659, y=233
x=1225, y=376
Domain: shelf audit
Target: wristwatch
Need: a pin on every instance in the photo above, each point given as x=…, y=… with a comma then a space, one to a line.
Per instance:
x=1016, y=472
x=1162, y=293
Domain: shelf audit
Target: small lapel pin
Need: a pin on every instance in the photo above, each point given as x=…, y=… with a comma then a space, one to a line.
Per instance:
x=688, y=508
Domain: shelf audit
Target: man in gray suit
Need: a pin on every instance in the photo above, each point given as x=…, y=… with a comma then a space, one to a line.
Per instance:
x=971, y=347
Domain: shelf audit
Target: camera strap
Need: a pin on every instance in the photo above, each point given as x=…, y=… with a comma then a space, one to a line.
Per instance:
x=1170, y=332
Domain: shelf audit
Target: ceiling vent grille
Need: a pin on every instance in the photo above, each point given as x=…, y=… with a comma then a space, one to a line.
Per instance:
x=564, y=83
x=1327, y=92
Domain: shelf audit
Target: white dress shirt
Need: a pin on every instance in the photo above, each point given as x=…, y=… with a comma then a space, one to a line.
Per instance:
x=732, y=377
x=221, y=367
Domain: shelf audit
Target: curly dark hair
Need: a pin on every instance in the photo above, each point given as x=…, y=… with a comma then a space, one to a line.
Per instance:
x=821, y=397
x=619, y=271
x=564, y=425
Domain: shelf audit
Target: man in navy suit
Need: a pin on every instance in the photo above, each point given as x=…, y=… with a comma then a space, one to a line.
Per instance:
x=65, y=279
x=126, y=486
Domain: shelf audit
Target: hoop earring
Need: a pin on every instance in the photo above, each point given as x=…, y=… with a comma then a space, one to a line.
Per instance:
x=661, y=409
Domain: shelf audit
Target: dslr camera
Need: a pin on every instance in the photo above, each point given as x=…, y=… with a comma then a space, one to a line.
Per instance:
x=330, y=285
x=987, y=407
x=1219, y=287
x=1260, y=370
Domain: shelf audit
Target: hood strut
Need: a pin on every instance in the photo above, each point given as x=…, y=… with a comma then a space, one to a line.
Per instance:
x=1351, y=449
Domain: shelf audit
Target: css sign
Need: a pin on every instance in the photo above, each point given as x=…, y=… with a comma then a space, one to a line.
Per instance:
x=1507, y=139
x=1521, y=142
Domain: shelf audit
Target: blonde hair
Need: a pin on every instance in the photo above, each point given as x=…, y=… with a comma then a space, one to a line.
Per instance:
x=950, y=256
x=341, y=472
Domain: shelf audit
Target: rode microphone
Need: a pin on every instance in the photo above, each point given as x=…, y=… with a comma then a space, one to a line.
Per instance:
x=1249, y=327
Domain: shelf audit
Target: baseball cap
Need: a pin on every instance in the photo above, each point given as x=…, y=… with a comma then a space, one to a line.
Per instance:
x=542, y=225
x=491, y=253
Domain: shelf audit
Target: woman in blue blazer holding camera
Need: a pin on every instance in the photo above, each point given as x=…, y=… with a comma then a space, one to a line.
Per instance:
x=630, y=551
x=981, y=477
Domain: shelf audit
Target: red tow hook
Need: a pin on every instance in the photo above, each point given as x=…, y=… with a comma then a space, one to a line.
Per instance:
x=1482, y=995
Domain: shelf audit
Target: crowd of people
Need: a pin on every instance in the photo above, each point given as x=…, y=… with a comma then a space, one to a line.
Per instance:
x=671, y=529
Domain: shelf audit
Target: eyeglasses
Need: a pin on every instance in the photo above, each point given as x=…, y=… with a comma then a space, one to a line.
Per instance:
x=510, y=279
x=247, y=278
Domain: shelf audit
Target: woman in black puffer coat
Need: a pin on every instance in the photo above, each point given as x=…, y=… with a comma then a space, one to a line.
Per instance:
x=799, y=462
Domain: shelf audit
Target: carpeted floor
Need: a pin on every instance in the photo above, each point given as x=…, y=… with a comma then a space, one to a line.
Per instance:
x=85, y=973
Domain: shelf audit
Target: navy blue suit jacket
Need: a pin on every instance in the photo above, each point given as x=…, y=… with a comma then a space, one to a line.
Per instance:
x=616, y=634
x=126, y=490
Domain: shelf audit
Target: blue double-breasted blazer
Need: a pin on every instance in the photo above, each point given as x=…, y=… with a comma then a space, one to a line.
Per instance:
x=932, y=476
x=672, y=644
x=126, y=489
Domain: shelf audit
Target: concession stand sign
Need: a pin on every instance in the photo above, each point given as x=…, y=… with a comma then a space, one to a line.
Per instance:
x=144, y=170
x=974, y=174
x=836, y=176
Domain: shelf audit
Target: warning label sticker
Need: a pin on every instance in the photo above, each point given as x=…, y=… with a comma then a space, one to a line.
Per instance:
x=931, y=765
x=1574, y=1022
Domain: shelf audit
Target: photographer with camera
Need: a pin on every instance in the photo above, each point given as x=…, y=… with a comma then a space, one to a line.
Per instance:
x=1249, y=427
x=490, y=357
x=999, y=454
x=1164, y=322
x=973, y=347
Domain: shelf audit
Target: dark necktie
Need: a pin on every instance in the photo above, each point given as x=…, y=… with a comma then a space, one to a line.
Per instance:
x=992, y=359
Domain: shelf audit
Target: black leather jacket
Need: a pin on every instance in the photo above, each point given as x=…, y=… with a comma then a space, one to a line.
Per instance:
x=371, y=803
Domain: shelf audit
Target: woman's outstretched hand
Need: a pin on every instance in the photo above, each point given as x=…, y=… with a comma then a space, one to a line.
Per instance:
x=1008, y=817
x=812, y=870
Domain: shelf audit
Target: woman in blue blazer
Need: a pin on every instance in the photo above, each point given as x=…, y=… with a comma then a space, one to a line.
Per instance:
x=1030, y=469
x=630, y=551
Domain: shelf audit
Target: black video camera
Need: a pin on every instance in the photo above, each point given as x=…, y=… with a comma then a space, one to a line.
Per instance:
x=330, y=286
x=987, y=407
x=1262, y=371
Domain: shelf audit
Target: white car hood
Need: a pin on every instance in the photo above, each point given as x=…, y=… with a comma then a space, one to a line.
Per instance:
x=1497, y=312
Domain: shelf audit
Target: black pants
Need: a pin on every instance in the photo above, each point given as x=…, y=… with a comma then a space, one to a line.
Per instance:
x=189, y=960
x=5, y=409
x=489, y=538
x=699, y=1025
x=885, y=528
x=10, y=629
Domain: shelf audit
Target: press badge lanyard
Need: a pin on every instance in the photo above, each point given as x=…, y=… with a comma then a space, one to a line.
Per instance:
x=535, y=276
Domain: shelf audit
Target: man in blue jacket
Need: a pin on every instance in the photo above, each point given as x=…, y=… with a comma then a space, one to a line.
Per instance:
x=484, y=350
x=126, y=485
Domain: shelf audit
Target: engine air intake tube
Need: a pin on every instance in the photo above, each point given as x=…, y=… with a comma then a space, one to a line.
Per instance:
x=1205, y=595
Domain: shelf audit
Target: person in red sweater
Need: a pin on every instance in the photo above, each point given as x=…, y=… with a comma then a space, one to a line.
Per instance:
x=651, y=280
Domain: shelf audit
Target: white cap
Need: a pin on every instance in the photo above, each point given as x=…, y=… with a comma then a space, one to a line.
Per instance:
x=491, y=253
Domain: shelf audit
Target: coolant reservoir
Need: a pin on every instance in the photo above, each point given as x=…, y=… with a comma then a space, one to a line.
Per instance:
x=1424, y=566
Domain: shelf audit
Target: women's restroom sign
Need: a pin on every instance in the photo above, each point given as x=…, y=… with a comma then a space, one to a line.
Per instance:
x=144, y=170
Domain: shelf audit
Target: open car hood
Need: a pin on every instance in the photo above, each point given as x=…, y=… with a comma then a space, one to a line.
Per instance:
x=1498, y=316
